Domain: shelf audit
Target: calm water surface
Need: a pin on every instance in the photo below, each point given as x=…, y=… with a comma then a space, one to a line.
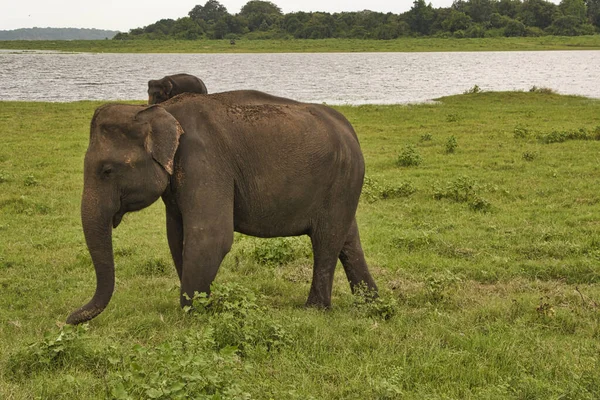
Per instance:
x=334, y=78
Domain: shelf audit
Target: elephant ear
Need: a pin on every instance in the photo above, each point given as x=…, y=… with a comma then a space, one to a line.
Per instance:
x=169, y=87
x=162, y=139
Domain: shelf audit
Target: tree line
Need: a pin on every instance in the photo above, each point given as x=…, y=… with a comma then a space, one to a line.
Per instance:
x=464, y=18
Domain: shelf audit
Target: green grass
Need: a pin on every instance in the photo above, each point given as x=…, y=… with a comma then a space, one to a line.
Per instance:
x=300, y=45
x=488, y=260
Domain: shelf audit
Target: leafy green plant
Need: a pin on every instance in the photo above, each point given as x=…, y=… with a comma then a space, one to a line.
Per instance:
x=177, y=369
x=563, y=136
x=545, y=90
x=452, y=118
x=437, y=286
x=383, y=305
x=451, y=145
x=529, y=155
x=474, y=90
x=426, y=137
x=54, y=351
x=155, y=266
x=520, y=132
x=30, y=180
x=279, y=251
x=374, y=190
x=463, y=190
x=480, y=204
x=237, y=321
x=409, y=157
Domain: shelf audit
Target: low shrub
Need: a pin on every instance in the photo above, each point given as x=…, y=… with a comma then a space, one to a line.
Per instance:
x=237, y=320
x=373, y=190
x=463, y=190
x=563, y=136
x=409, y=157
x=451, y=145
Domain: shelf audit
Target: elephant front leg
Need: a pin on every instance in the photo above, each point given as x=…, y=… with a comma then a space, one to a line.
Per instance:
x=175, y=239
x=205, y=246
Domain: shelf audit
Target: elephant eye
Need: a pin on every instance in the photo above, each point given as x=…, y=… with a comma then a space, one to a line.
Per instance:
x=107, y=170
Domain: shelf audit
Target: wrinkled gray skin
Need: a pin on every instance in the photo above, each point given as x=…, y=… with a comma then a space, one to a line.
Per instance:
x=160, y=90
x=238, y=161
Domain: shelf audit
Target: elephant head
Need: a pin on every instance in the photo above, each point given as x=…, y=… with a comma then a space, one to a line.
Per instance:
x=159, y=90
x=127, y=167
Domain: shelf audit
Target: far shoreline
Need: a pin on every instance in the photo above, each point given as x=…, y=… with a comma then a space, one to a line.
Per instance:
x=408, y=45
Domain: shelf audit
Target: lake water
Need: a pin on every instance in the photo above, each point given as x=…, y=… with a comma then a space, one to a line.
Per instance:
x=334, y=78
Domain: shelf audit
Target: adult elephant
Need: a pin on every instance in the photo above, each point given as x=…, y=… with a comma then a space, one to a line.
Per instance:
x=160, y=90
x=238, y=161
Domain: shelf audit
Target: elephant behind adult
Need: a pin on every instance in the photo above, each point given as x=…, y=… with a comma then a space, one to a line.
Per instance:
x=160, y=90
x=244, y=161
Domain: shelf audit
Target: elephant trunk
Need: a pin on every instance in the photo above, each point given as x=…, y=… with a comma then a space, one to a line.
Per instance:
x=96, y=220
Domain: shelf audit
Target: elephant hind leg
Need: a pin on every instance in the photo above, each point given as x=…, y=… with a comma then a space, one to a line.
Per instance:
x=353, y=260
x=326, y=247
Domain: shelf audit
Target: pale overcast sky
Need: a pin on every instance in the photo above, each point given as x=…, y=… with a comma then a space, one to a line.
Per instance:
x=124, y=15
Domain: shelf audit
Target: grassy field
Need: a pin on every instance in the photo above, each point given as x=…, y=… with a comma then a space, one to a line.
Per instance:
x=480, y=219
x=325, y=45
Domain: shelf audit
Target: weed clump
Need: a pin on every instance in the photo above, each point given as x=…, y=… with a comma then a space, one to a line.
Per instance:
x=52, y=353
x=178, y=369
x=426, y=137
x=463, y=190
x=451, y=145
x=529, y=155
x=237, y=321
x=520, y=132
x=474, y=90
x=563, y=136
x=156, y=267
x=374, y=305
x=452, y=118
x=544, y=90
x=373, y=190
x=437, y=287
x=30, y=181
x=409, y=157
x=279, y=251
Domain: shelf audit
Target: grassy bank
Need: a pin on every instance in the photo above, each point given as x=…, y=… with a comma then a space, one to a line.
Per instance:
x=325, y=45
x=480, y=219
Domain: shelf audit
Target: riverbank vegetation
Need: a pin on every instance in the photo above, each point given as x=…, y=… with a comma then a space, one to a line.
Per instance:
x=311, y=46
x=479, y=218
x=465, y=18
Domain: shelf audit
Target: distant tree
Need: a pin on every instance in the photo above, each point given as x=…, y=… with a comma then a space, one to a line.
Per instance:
x=187, y=29
x=210, y=13
x=320, y=26
x=593, y=12
x=160, y=28
x=574, y=8
x=569, y=25
x=509, y=8
x=261, y=15
x=499, y=21
x=259, y=7
x=538, y=13
x=420, y=17
x=456, y=20
x=475, y=31
x=514, y=28
x=261, y=19
x=480, y=10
